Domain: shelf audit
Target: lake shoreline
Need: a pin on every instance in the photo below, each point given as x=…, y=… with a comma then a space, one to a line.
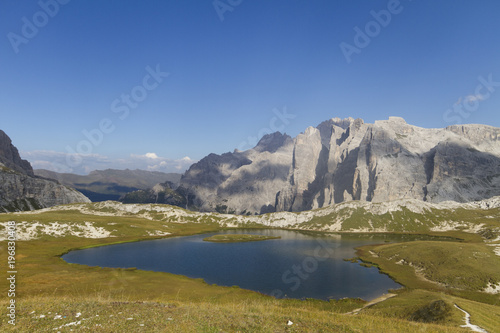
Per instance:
x=305, y=269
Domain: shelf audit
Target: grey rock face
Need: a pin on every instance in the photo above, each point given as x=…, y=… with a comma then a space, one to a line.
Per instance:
x=347, y=159
x=21, y=190
x=9, y=156
x=240, y=182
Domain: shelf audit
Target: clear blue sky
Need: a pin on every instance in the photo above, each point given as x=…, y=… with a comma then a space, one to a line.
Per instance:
x=227, y=76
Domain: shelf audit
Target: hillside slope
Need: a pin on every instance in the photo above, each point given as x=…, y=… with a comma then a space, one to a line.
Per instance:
x=408, y=215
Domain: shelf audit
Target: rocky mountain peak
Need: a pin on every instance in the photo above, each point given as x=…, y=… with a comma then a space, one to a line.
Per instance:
x=347, y=159
x=9, y=156
x=272, y=142
x=342, y=123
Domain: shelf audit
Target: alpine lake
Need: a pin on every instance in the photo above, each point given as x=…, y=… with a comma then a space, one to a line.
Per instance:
x=295, y=265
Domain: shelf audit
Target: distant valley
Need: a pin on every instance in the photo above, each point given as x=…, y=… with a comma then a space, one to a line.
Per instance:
x=111, y=184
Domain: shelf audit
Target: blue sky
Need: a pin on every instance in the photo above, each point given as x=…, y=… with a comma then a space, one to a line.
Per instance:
x=233, y=66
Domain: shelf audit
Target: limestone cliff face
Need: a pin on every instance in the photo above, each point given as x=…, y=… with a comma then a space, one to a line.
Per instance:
x=21, y=190
x=9, y=156
x=240, y=182
x=347, y=159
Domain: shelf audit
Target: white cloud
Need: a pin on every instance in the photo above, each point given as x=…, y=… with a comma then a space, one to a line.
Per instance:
x=58, y=161
x=151, y=155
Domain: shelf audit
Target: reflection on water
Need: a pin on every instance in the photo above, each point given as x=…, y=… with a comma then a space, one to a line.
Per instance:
x=299, y=265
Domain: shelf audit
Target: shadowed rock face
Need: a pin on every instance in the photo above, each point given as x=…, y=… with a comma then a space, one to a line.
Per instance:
x=21, y=190
x=347, y=159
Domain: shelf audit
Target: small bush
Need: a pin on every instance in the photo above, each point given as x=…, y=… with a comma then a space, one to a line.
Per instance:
x=436, y=311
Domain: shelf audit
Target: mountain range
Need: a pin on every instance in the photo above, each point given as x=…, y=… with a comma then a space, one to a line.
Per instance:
x=338, y=161
x=347, y=159
x=111, y=184
x=21, y=189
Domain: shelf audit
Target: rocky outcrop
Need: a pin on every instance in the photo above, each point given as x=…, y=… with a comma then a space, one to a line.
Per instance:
x=9, y=156
x=346, y=159
x=21, y=190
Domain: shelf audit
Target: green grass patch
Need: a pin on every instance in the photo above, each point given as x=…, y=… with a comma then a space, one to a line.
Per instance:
x=456, y=265
x=120, y=314
x=462, y=269
x=107, y=298
x=236, y=238
x=436, y=307
x=419, y=306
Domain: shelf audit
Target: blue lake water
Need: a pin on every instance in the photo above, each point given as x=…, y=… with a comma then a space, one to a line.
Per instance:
x=298, y=265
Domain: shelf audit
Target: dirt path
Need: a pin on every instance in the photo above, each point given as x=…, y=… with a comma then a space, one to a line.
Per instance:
x=473, y=327
x=372, y=302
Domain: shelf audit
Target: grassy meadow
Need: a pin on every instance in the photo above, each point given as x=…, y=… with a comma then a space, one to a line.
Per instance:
x=237, y=238
x=54, y=296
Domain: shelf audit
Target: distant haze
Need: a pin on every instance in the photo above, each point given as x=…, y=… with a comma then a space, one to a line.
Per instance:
x=111, y=184
x=58, y=162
